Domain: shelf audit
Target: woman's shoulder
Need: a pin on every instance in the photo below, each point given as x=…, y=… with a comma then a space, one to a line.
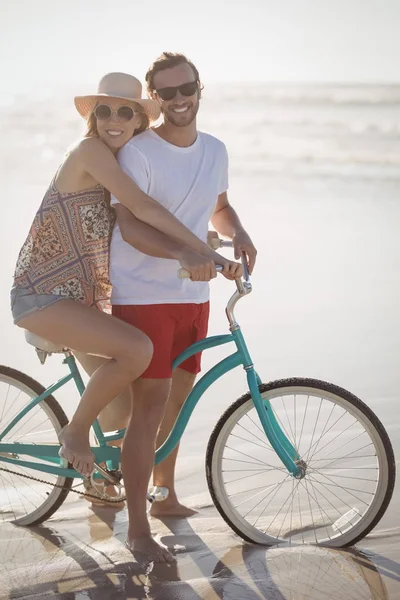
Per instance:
x=75, y=173
x=89, y=144
x=91, y=150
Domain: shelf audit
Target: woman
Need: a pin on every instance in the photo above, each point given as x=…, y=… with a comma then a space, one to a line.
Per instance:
x=61, y=275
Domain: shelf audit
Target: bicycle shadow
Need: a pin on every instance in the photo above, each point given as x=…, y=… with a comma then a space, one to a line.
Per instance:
x=67, y=567
x=100, y=567
x=249, y=571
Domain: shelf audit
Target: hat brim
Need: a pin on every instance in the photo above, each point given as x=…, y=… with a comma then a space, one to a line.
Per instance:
x=85, y=104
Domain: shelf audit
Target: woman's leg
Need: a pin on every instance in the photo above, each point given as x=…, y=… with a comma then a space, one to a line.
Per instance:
x=88, y=330
x=116, y=414
x=113, y=417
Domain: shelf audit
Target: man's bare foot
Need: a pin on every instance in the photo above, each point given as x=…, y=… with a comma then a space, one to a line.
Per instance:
x=149, y=550
x=76, y=450
x=171, y=507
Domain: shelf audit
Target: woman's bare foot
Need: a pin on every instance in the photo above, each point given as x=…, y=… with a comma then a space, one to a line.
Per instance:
x=171, y=507
x=149, y=550
x=75, y=449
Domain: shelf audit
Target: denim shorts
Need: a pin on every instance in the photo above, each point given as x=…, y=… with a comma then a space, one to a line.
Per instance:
x=24, y=302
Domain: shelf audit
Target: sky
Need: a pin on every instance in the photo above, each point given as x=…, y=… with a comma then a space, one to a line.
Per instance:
x=61, y=43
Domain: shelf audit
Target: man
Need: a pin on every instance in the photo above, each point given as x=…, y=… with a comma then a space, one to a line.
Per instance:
x=186, y=171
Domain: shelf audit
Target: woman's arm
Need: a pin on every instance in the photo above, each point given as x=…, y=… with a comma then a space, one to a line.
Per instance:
x=101, y=164
x=150, y=241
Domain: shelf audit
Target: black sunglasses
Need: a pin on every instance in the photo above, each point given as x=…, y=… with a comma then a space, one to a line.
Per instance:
x=103, y=112
x=186, y=89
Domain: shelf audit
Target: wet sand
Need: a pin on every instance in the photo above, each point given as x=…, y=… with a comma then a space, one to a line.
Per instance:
x=80, y=554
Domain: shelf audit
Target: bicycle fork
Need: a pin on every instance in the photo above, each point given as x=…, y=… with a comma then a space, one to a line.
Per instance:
x=276, y=437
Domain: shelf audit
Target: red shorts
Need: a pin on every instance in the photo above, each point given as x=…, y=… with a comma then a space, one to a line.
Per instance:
x=171, y=328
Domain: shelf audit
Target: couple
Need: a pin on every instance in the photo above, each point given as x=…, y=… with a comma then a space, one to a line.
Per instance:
x=165, y=186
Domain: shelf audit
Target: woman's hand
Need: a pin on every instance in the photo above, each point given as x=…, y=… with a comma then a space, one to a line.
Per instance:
x=232, y=270
x=201, y=268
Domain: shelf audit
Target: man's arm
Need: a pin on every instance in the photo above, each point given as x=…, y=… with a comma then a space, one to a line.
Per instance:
x=150, y=241
x=227, y=223
x=145, y=238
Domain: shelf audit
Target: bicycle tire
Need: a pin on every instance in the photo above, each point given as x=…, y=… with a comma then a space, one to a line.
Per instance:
x=58, y=418
x=359, y=410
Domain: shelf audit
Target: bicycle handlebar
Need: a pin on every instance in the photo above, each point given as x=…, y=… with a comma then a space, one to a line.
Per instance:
x=243, y=285
x=216, y=243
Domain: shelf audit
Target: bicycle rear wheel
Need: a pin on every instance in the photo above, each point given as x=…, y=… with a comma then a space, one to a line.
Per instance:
x=349, y=476
x=23, y=500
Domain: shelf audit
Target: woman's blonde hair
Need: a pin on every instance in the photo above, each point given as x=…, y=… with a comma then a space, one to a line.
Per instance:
x=91, y=123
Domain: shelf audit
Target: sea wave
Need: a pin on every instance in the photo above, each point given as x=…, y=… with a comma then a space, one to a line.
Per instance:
x=311, y=94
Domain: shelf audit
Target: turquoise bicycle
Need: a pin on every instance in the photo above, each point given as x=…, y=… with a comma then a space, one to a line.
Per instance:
x=291, y=461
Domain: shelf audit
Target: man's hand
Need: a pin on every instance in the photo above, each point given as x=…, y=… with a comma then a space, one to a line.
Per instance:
x=200, y=267
x=242, y=243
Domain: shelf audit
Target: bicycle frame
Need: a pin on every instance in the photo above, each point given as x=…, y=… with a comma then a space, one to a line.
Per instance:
x=105, y=453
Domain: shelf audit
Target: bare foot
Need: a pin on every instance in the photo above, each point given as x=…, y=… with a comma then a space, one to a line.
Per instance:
x=149, y=550
x=171, y=508
x=76, y=450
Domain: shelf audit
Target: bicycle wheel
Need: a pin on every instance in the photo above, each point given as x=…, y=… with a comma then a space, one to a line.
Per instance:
x=350, y=467
x=23, y=499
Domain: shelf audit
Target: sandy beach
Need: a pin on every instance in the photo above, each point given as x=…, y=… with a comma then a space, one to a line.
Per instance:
x=81, y=554
x=316, y=182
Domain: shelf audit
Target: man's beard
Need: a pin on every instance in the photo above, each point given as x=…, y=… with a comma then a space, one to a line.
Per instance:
x=174, y=119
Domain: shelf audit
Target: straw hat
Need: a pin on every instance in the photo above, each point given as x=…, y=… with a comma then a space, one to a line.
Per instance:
x=121, y=86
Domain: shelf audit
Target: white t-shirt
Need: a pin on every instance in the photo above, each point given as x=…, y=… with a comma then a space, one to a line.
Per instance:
x=187, y=181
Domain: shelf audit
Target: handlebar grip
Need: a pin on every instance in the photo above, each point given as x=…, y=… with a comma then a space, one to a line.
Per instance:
x=184, y=274
x=215, y=243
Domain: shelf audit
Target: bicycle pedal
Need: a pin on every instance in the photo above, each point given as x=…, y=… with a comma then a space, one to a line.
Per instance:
x=159, y=493
x=108, y=476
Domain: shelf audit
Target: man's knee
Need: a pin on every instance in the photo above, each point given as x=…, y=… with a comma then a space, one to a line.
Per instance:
x=116, y=414
x=182, y=384
x=150, y=397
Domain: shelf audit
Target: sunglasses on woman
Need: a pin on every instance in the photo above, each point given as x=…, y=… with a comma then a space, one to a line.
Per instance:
x=186, y=89
x=103, y=112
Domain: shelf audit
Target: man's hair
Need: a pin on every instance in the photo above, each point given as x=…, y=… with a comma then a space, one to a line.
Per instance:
x=167, y=60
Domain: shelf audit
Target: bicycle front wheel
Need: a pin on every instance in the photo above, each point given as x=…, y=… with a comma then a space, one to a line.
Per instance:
x=349, y=467
x=23, y=499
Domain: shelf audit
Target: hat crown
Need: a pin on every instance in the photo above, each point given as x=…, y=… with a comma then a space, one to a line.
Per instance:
x=120, y=85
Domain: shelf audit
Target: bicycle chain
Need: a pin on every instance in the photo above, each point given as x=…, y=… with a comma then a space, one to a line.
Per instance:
x=63, y=487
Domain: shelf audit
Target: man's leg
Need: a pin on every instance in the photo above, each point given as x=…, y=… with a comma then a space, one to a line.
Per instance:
x=164, y=472
x=193, y=325
x=138, y=449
